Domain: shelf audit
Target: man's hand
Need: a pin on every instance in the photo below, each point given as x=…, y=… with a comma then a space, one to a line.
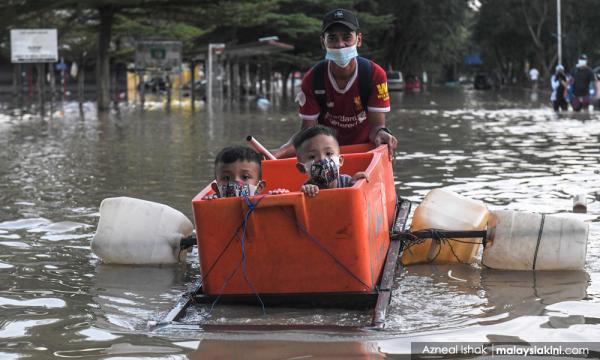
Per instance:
x=384, y=137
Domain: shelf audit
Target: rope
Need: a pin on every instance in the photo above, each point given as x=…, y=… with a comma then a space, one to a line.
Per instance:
x=539, y=239
x=242, y=263
x=412, y=240
x=315, y=240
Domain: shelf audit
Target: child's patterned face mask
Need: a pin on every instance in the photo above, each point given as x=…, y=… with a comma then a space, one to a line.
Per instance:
x=235, y=189
x=323, y=172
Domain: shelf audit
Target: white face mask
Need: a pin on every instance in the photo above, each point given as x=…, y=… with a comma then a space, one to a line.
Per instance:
x=343, y=56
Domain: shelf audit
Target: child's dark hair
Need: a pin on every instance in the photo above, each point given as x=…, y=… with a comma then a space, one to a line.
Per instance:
x=235, y=153
x=310, y=133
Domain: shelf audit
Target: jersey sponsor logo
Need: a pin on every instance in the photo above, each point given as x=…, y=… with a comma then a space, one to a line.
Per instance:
x=382, y=92
x=345, y=122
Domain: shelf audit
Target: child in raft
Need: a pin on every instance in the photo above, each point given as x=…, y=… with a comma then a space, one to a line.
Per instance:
x=238, y=172
x=318, y=154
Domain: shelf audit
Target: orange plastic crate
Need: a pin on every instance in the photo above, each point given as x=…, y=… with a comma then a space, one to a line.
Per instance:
x=335, y=242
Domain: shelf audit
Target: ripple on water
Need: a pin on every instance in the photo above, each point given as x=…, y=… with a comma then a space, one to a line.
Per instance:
x=23, y=223
x=5, y=265
x=15, y=244
x=95, y=334
x=63, y=237
x=48, y=303
x=125, y=349
x=16, y=329
x=59, y=227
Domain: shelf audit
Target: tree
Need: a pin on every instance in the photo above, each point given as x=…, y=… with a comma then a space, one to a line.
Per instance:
x=424, y=33
x=104, y=13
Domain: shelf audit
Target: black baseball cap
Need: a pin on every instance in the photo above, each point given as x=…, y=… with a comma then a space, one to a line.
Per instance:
x=340, y=16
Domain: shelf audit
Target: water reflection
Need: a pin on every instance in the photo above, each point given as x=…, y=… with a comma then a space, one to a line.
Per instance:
x=518, y=293
x=270, y=349
x=129, y=296
x=449, y=296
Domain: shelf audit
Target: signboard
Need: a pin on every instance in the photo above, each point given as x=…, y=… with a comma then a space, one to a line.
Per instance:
x=33, y=45
x=158, y=54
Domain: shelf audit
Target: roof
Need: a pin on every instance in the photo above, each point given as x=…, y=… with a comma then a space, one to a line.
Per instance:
x=256, y=48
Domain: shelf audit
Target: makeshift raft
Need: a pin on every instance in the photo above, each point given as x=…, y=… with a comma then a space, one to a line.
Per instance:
x=341, y=248
x=338, y=249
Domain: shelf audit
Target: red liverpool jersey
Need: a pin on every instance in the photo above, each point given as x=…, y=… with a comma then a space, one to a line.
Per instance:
x=345, y=113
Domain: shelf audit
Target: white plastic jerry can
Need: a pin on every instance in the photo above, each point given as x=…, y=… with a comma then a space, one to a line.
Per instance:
x=134, y=231
x=528, y=241
x=443, y=209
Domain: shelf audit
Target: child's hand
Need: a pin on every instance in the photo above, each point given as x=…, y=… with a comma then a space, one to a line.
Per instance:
x=310, y=190
x=360, y=175
x=210, y=197
x=278, y=191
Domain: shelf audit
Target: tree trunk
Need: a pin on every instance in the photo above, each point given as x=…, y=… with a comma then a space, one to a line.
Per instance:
x=284, y=89
x=103, y=60
x=81, y=82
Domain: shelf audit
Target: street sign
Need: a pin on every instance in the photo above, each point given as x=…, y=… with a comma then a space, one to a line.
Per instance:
x=158, y=54
x=33, y=45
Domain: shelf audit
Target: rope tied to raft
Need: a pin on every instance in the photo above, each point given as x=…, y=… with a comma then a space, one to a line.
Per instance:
x=539, y=239
x=243, y=264
x=410, y=239
x=315, y=240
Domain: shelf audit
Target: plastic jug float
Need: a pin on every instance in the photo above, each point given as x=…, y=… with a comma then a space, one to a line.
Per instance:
x=134, y=231
x=445, y=210
x=528, y=241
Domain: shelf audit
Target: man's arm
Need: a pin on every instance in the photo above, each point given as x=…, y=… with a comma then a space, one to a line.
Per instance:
x=379, y=136
x=287, y=149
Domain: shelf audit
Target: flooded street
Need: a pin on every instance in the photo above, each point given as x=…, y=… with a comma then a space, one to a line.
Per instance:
x=507, y=148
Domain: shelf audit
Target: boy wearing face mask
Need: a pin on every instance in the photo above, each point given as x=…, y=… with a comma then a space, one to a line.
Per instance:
x=237, y=172
x=341, y=104
x=318, y=154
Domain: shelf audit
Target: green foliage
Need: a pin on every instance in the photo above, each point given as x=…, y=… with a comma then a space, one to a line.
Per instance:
x=424, y=34
x=409, y=35
x=512, y=32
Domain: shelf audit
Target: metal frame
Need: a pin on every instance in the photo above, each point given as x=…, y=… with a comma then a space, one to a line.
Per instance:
x=380, y=298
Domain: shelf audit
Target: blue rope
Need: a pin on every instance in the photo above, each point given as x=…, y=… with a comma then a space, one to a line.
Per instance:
x=242, y=263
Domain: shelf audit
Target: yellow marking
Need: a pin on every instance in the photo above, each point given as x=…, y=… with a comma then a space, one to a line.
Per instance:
x=382, y=92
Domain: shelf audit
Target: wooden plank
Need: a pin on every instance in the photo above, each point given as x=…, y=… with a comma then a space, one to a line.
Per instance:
x=180, y=307
x=389, y=269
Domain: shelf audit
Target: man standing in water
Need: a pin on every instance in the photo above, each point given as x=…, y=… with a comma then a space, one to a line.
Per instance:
x=583, y=77
x=345, y=92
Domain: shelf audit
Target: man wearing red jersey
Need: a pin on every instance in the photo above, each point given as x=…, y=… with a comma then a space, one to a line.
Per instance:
x=342, y=104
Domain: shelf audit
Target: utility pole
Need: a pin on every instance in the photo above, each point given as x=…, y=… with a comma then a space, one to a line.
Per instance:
x=559, y=32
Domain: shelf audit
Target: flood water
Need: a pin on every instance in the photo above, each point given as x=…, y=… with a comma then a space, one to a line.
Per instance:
x=57, y=299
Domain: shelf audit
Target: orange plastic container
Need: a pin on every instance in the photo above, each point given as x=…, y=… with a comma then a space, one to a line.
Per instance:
x=334, y=242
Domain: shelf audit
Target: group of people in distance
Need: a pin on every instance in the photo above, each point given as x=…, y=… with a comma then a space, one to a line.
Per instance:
x=578, y=88
x=343, y=100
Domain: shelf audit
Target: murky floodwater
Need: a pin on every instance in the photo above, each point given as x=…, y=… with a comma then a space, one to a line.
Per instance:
x=57, y=300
